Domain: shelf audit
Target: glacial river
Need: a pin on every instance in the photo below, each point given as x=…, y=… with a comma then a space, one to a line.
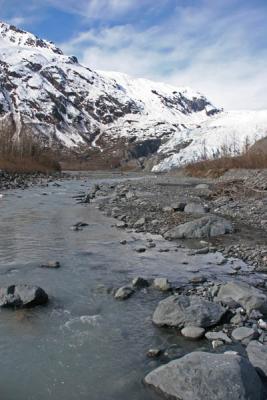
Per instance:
x=84, y=344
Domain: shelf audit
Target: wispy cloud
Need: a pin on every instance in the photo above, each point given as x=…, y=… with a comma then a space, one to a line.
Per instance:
x=215, y=50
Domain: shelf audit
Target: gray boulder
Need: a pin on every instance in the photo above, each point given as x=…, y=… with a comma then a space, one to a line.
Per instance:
x=162, y=284
x=206, y=376
x=218, y=336
x=19, y=296
x=195, y=208
x=124, y=293
x=140, y=282
x=181, y=311
x=243, y=294
x=141, y=222
x=257, y=354
x=193, y=332
x=205, y=227
x=243, y=334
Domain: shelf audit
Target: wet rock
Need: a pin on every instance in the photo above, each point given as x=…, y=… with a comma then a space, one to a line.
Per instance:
x=243, y=334
x=162, y=284
x=140, y=249
x=218, y=336
x=123, y=242
x=79, y=225
x=18, y=296
x=151, y=245
x=180, y=311
x=140, y=282
x=195, y=208
x=243, y=294
x=205, y=376
x=51, y=264
x=154, y=353
x=124, y=293
x=217, y=343
x=257, y=354
x=204, y=227
x=193, y=332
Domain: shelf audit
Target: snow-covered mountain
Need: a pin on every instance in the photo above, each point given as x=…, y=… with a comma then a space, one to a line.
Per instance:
x=69, y=106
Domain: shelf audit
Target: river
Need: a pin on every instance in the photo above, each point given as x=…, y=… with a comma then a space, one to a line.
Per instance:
x=84, y=344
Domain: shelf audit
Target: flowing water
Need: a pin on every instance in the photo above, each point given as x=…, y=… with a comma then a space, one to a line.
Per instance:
x=84, y=344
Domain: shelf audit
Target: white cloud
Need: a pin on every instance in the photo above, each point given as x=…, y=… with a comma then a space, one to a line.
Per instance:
x=213, y=52
x=100, y=9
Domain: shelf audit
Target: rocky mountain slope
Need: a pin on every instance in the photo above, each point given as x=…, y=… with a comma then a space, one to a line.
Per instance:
x=108, y=115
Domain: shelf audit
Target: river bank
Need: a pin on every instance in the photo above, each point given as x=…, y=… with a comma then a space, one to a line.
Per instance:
x=173, y=208
x=16, y=180
x=158, y=204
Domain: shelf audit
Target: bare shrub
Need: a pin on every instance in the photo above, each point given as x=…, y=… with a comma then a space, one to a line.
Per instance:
x=24, y=153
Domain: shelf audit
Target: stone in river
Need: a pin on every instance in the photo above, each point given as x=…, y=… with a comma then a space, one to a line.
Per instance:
x=193, y=332
x=206, y=376
x=51, y=264
x=124, y=293
x=162, y=284
x=20, y=296
x=243, y=294
x=180, y=311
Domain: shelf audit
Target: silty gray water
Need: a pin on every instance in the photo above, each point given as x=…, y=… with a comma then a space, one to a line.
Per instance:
x=84, y=344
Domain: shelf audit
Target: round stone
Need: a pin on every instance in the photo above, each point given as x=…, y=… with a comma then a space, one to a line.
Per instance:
x=193, y=332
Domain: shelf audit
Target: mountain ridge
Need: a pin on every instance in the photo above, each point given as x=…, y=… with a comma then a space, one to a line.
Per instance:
x=69, y=106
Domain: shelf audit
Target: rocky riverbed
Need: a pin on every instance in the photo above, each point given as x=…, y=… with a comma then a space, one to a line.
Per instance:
x=226, y=306
x=131, y=282
x=13, y=180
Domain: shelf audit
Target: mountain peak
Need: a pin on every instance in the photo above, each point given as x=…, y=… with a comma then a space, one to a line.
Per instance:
x=11, y=35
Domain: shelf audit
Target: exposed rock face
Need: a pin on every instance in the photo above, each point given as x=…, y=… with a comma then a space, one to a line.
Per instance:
x=205, y=376
x=18, y=296
x=180, y=311
x=244, y=295
x=205, y=227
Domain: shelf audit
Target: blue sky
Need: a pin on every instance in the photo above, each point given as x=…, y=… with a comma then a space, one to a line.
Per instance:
x=216, y=46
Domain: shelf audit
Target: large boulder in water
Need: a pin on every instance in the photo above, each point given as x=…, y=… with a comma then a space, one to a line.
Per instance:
x=17, y=296
x=244, y=295
x=204, y=227
x=180, y=311
x=206, y=376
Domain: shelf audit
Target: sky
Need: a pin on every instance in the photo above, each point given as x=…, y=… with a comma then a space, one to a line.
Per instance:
x=218, y=47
